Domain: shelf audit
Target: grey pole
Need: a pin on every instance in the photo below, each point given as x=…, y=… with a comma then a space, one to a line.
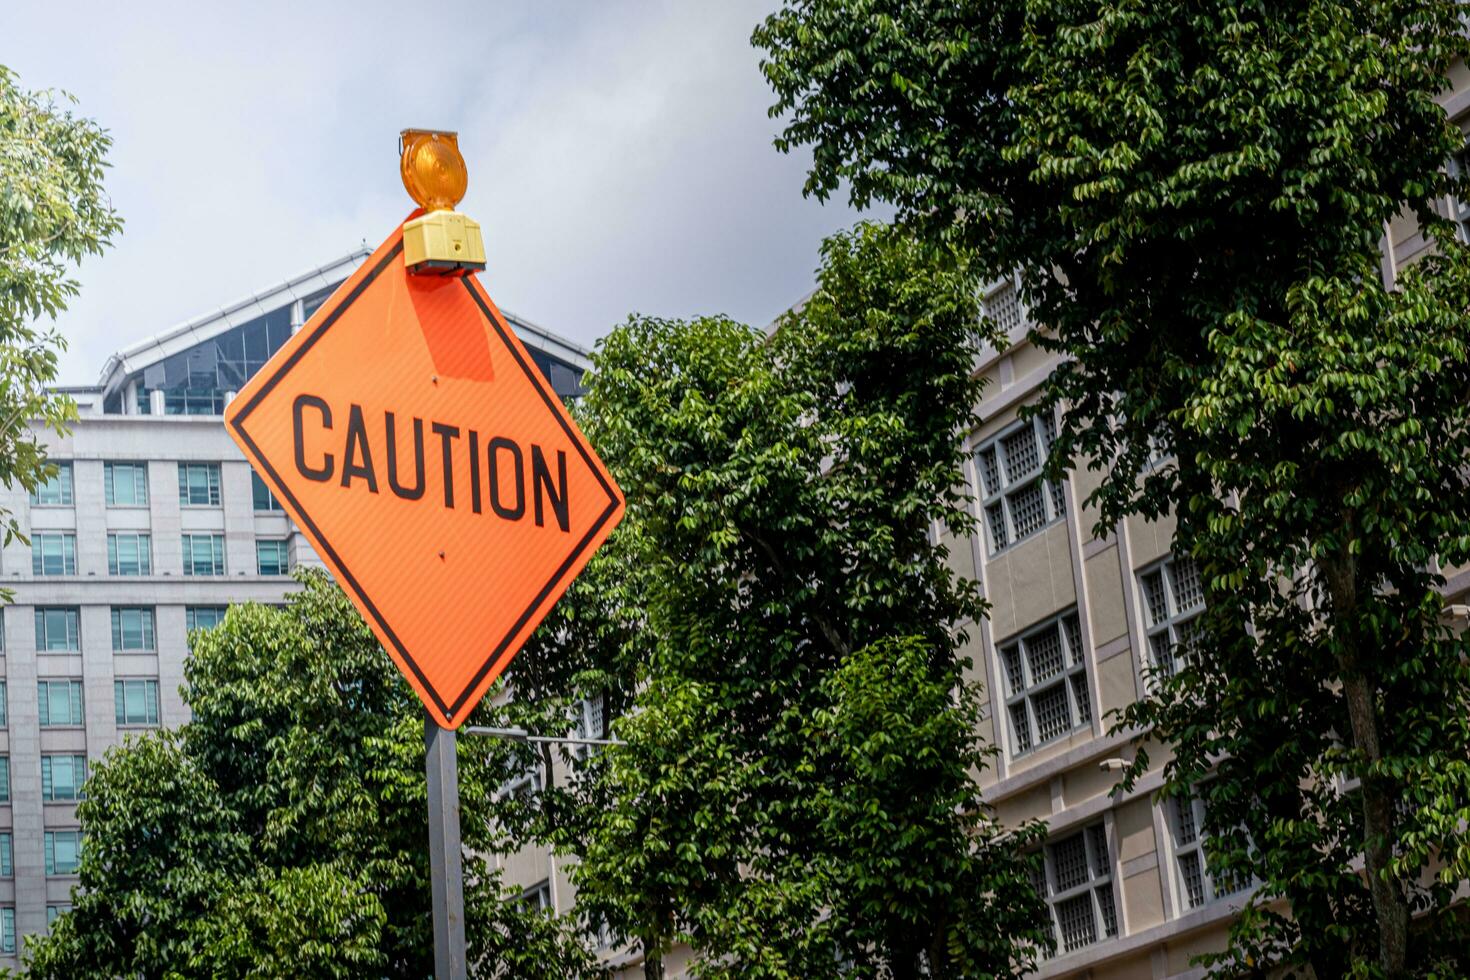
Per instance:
x=446, y=876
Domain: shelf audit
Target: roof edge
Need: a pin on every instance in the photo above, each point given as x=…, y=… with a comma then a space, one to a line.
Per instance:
x=221, y=317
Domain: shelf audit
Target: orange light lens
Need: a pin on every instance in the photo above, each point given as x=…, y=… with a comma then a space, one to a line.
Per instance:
x=433, y=170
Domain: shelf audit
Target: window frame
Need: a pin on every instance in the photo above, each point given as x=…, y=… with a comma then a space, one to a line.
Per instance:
x=76, y=710
x=8, y=943
x=528, y=784
x=1066, y=626
x=1096, y=884
x=147, y=629
x=191, y=617
x=592, y=721
x=1458, y=211
x=1173, y=626
x=48, y=775
x=68, y=556
x=1213, y=891
x=257, y=487
x=212, y=483
x=66, y=484
x=217, y=558
x=139, y=481
x=538, y=897
x=48, y=843
x=1002, y=304
x=151, y=710
x=72, y=628
x=996, y=497
x=283, y=554
x=142, y=541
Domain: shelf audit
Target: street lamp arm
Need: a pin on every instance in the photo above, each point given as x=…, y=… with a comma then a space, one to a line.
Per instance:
x=521, y=735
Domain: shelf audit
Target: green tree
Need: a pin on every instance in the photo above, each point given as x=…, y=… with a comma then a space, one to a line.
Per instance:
x=796, y=796
x=282, y=831
x=1194, y=195
x=53, y=213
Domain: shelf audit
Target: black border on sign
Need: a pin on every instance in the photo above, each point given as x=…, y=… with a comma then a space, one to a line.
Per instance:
x=499, y=651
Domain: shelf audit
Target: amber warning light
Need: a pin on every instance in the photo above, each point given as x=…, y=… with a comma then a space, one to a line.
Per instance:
x=442, y=241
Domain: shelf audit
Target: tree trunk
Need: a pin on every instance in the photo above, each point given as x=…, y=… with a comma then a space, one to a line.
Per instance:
x=1378, y=832
x=654, y=946
x=1390, y=906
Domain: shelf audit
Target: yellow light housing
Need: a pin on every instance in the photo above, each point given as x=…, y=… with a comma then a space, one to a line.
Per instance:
x=441, y=242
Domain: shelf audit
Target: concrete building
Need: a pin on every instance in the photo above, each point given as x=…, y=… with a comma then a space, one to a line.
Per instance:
x=1074, y=621
x=154, y=524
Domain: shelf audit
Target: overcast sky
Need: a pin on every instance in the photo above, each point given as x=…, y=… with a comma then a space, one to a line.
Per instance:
x=619, y=152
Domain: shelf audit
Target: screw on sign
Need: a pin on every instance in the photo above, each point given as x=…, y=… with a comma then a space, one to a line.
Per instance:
x=408, y=433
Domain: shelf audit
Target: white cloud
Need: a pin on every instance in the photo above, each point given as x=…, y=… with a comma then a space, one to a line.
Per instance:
x=619, y=153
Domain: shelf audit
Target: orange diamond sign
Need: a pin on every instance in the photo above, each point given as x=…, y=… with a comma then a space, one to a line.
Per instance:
x=409, y=435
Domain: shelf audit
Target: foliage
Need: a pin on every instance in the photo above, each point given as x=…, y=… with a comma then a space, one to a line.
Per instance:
x=796, y=795
x=1194, y=195
x=282, y=830
x=53, y=213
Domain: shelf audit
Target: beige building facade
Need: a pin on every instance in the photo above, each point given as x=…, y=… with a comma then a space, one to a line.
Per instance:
x=1075, y=622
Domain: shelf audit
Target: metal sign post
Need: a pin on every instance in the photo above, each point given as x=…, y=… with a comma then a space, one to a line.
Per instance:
x=445, y=873
x=508, y=498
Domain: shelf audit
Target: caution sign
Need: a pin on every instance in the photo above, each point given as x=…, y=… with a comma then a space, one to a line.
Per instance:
x=408, y=433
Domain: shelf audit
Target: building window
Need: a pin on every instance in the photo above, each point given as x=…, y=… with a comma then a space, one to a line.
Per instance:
x=527, y=785
x=137, y=701
x=4, y=705
x=1197, y=884
x=7, y=930
x=4, y=779
x=1459, y=210
x=62, y=777
x=132, y=628
x=1016, y=501
x=56, y=630
x=1173, y=596
x=53, y=554
x=591, y=722
x=313, y=303
x=52, y=911
x=270, y=558
x=1002, y=304
x=195, y=381
x=1079, y=888
x=7, y=855
x=204, y=554
x=1046, y=683
x=63, y=851
x=56, y=491
x=199, y=484
x=538, y=897
x=125, y=484
x=261, y=495
x=203, y=617
x=61, y=703
x=129, y=554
